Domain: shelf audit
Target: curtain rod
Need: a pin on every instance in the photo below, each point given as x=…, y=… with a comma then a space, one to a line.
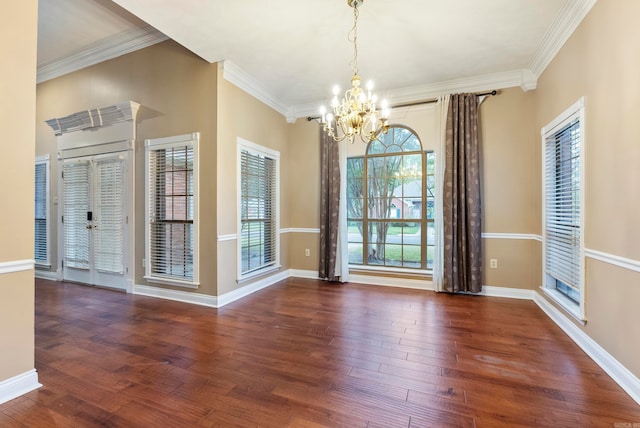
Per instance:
x=417, y=103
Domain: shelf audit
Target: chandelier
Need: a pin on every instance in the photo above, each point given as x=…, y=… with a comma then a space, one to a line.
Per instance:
x=356, y=114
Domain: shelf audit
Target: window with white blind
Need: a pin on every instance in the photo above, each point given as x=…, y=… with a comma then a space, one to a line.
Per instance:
x=563, y=209
x=41, y=245
x=259, y=224
x=109, y=212
x=77, y=203
x=171, y=198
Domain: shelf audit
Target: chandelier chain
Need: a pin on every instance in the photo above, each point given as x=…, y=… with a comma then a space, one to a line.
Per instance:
x=353, y=37
x=355, y=114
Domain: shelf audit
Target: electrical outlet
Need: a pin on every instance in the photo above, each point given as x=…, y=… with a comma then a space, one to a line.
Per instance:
x=307, y=252
x=493, y=263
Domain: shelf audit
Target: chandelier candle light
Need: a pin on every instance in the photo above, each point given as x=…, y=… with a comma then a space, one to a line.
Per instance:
x=356, y=114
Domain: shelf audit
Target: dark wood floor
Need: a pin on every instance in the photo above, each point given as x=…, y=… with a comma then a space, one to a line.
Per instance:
x=303, y=353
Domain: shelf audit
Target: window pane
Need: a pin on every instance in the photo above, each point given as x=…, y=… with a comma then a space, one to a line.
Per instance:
x=412, y=144
x=431, y=239
x=412, y=256
x=411, y=233
x=355, y=253
x=355, y=240
x=355, y=187
x=393, y=255
x=355, y=231
x=376, y=147
x=412, y=167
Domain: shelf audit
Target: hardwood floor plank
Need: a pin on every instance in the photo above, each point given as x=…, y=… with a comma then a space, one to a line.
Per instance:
x=8, y=422
x=305, y=353
x=434, y=385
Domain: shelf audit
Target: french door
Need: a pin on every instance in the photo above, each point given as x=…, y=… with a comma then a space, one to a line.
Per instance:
x=95, y=220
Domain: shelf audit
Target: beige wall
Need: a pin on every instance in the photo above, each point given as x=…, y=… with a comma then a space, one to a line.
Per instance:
x=18, y=42
x=599, y=62
x=303, y=184
x=177, y=93
x=243, y=116
x=511, y=189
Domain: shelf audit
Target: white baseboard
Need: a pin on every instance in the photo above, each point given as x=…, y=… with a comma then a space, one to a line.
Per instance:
x=510, y=293
x=619, y=373
x=176, y=295
x=18, y=385
x=308, y=274
x=244, y=291
x=47, y=274
x=205, y=299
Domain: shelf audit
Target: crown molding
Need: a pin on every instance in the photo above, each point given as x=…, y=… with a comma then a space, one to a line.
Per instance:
x=563, y=26
x=523, y=78
x=507, y=79
x=109, y=48
x=243, y=80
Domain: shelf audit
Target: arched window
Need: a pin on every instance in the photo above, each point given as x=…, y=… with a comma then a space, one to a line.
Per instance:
x=390, y=200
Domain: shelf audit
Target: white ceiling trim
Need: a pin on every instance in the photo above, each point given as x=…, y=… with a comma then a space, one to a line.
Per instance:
x=112, y=47
x=563, y=26
x=509, y=79
x=243, y=80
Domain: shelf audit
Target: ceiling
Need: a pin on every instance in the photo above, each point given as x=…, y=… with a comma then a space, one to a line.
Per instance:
x=290, y=53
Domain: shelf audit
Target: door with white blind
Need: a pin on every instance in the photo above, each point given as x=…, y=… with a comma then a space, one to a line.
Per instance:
x=95, y=220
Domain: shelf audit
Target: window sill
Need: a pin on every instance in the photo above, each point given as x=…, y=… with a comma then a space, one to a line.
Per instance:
x=174, y=282
x=565, y=303
x=420, y=273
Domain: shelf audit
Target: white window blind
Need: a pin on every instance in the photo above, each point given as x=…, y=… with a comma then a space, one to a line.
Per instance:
x=76, y=176
x=41, y=243
x=258, y=210
x=171, y=198
x=563, y=216
x=109, y=216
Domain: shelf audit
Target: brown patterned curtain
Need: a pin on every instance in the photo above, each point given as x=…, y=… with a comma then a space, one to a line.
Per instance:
x=329, y=206
x=461, y=200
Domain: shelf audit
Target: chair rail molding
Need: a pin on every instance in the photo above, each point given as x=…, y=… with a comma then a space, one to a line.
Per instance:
x=612, y=259
x=16, y=266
